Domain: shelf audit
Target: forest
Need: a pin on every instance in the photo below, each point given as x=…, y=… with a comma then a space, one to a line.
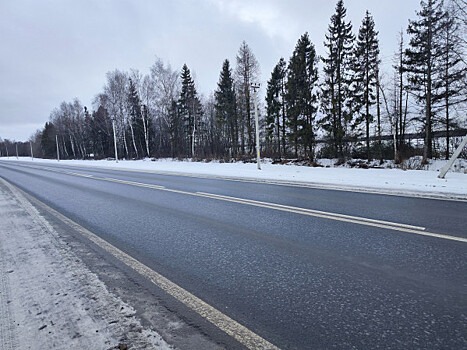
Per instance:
x=335, y=105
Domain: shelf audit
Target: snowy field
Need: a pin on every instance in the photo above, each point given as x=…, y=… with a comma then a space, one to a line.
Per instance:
x=384, y=180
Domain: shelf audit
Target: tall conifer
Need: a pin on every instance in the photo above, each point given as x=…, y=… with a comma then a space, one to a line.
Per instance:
x=337, y=78
x=226, y=109
x=190, y=110
x=275, y=108
x=302, y=96
x=422, y=62
x=365, y=66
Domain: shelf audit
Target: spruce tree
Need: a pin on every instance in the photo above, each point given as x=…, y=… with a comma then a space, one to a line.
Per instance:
x=226, y=109
x=302, y=97
x=102, y=135
x=275, y=108
x=48, y=144
x=337, y=79
x=190, y=111
x=365, y=67
x=422, y=62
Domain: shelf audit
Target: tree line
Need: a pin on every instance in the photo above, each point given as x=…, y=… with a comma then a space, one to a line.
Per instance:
x=337, y=105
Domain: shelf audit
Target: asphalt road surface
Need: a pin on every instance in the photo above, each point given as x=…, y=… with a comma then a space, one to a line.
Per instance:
x=302, y=268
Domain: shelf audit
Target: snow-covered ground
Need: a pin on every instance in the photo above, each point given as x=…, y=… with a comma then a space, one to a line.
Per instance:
x=387, y=179
x=49, y=299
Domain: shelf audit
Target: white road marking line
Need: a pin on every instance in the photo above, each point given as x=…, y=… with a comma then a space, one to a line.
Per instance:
x=78, y=174
x=339, y=217
x=303, y=211
x=228, y=325
x=316, y=213
x=131, y=183
x=452, y=197
x=125, y=182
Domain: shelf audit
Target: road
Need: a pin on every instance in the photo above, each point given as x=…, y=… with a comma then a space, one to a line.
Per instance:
x=302, y=268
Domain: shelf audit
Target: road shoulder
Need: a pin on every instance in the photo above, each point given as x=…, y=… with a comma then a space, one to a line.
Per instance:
x=50, y=299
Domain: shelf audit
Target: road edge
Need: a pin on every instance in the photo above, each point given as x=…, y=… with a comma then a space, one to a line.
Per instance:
x=448, y=196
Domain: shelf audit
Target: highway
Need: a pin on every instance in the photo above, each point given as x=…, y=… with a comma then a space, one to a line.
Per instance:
x=302, y=268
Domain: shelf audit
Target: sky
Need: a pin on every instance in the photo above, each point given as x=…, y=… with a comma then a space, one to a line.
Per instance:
x=57, y=50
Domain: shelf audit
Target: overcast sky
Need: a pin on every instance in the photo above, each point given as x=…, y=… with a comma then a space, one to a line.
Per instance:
x=54, y=51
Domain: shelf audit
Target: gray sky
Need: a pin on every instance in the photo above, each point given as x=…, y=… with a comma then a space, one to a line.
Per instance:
x=54, y=51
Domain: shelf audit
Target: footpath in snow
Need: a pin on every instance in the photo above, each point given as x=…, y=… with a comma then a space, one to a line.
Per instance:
x=385, y=180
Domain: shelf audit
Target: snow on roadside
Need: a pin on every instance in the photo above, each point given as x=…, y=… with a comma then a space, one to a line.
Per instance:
x=49, y=298
x=389, y=180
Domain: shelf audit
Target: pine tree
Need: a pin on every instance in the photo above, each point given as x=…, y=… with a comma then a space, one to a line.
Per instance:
x=226, y=109
x=302, y=97
x=335, y=89
x=422, y=62
x=365, y=66
x=190, y=111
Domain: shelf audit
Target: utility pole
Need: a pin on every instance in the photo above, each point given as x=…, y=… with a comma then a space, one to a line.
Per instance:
x=16, y=143
x=255, y=87
x=58, y=150
x=32, y=155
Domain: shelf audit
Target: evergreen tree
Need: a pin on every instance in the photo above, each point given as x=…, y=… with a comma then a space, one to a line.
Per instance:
x=275, y=108
x=190, y=111
x=335, y=89
x=102, y=133
x=365, y=67
x=226, y=109
x=302, y=97
x=48, y=144
x=422, y=62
